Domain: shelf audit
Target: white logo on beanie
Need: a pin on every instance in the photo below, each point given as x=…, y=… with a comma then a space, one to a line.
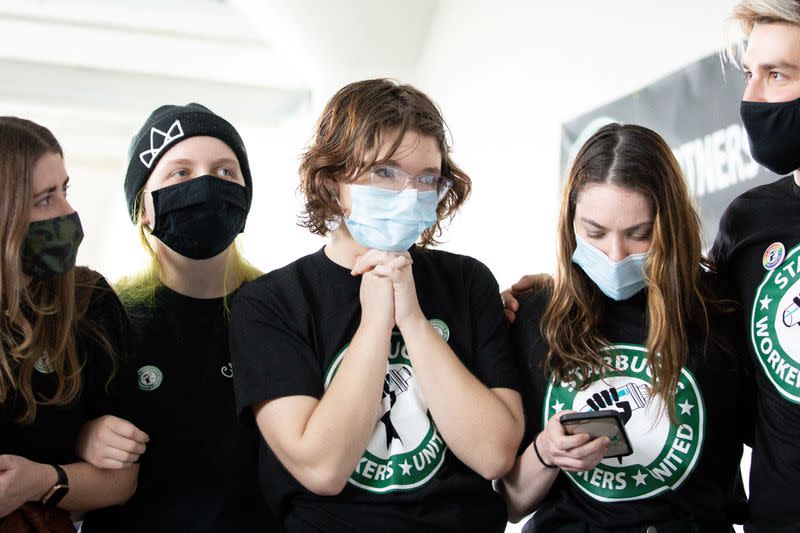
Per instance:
x=175, y=132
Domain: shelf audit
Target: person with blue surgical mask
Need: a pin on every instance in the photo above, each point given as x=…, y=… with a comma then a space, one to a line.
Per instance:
x=632, y=325
x=379, y=371
x=394, y=209
x=619, y=280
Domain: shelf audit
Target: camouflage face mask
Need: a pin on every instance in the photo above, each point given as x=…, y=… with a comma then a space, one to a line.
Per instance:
x=50, y=246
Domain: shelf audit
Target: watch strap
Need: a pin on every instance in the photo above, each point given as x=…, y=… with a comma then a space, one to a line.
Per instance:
x=59, y=490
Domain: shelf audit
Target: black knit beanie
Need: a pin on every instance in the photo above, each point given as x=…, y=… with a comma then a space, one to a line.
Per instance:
x=164, y=128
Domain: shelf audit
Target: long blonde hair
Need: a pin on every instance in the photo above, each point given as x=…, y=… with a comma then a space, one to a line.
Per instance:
x=38, y=321
x=636, y=159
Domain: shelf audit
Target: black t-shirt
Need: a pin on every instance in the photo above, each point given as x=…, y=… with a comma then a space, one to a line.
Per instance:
x=289, y=332
x=199, y=471
x=51, y=437
x=687, y=471
x=758, y=250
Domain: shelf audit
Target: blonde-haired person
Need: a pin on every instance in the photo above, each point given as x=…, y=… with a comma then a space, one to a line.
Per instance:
x=63, y=342
x=631, y=322
x=757, y=250
x=188, y=188
x=379, y=371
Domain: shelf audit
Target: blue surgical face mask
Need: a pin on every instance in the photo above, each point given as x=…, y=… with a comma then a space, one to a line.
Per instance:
x=387, y=220
x=618, y=281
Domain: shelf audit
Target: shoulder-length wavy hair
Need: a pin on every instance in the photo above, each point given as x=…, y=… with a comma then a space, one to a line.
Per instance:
x=637, y=159
x=354, y=123
x=38, y=320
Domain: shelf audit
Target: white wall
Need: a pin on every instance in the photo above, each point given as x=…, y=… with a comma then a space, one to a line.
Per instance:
x=507, y=74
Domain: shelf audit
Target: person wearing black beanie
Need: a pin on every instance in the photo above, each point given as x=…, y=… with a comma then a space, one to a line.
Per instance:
x=168, y=125
x=188, y=189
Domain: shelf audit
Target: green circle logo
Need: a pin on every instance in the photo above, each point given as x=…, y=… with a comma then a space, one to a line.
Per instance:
x=150, y=378
x=441, y=328
x=775, y=326
x=406, y=449
x=663, y=454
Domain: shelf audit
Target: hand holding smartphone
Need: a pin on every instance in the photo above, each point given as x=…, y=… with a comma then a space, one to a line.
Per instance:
x=607, y=423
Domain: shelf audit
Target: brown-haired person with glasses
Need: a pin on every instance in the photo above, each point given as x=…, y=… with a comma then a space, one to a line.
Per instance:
x=379, y=371
x=63, y=343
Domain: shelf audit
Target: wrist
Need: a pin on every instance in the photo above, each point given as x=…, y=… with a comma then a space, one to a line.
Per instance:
x=46, y=477
x=546, y=461
x=374, y=326
x=413, y=324
x=59, y=489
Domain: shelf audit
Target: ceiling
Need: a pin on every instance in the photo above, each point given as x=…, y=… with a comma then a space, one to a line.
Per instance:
x=257, y=61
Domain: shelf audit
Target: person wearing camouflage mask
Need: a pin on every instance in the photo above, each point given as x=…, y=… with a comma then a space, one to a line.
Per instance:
x=62, y=339
x=51, y=246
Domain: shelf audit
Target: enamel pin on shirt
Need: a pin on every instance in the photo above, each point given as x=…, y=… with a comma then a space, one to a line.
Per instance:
x=773, y=256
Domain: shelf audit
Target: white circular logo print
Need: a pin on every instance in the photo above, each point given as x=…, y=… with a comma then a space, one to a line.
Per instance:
x=775, y=326
x=406, y=450
x=664, y=455
x=150, y=377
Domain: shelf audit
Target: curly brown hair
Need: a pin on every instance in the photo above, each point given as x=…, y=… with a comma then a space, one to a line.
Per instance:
x=356, y=121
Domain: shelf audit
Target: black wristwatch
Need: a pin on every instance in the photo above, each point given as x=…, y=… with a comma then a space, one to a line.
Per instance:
x=59, y=490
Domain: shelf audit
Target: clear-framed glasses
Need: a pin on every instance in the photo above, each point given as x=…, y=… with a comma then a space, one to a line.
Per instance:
x=394, y=179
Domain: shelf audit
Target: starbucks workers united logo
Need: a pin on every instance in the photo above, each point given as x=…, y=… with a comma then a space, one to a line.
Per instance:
x=775, y=325
x=664, y=454
x=406, y=450
x=150, y=377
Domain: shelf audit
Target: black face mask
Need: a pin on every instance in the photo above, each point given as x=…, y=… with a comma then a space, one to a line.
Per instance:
x=200, y=218
x=774, y=132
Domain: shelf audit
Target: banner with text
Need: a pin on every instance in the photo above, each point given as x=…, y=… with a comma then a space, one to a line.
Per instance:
x=696, y=110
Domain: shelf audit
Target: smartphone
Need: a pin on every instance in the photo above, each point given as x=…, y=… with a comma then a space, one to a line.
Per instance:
x=597, y=424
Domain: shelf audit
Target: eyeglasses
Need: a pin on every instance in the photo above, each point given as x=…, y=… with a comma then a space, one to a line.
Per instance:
x=395, y=179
